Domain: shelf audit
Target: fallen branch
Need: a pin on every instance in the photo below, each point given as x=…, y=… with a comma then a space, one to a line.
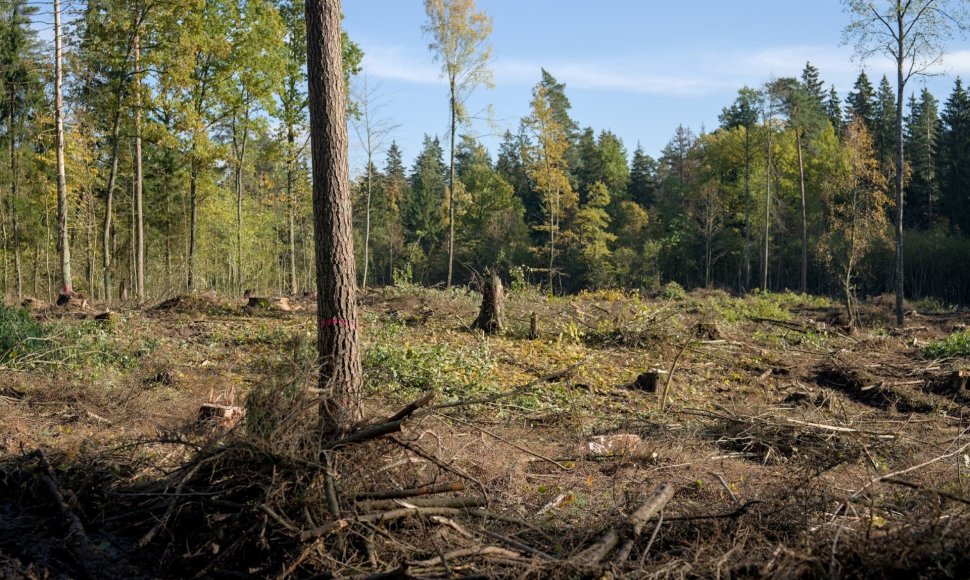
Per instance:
x=374, y=518
x=77, y=540
x=484, y=551
x=449, y=502
x=412, y=492
x=630, y=529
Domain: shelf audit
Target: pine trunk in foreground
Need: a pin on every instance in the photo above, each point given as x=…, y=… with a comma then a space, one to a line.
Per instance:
x=338, y=329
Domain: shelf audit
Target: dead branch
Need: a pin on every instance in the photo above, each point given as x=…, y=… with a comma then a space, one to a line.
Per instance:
x=77, y=540
x=413, y=492
x=630, y=529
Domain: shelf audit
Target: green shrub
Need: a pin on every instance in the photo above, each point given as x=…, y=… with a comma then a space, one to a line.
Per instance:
x=955, y=345
x=19, y=333
x=672, y=291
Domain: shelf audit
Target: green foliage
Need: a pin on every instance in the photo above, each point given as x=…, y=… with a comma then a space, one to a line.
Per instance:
x=19, y=333
x=672, y=291
x=955, y=345
x=394, y=364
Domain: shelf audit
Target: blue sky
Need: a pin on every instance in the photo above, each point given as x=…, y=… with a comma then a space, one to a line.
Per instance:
x=636, y=67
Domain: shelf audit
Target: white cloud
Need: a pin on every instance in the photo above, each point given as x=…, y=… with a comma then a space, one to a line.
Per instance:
x=674, y=74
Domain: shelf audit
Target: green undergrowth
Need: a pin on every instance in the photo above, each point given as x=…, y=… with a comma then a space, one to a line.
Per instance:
x=29, y=344
x=759, y=305
x=955, y=345
x=398, y=364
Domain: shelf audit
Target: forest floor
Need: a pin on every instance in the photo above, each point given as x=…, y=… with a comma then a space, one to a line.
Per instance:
x=792, y=448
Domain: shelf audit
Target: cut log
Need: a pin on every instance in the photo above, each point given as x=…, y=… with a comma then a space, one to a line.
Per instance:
x=618, y=444
x=489, y=318
x=72, y=300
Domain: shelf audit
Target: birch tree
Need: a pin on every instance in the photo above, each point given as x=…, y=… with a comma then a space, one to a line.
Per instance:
x=459, y=41
x=912, y=33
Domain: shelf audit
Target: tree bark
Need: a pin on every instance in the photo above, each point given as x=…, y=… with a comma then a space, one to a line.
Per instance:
x=14, y=195
x=193, y=215
x=451, y=186
x=489, y=318
x=139, y=209
x=63, y=240
x=764, y=264
x=291, y=201
x=109, y=198
x=900, y=87
x=801, y=183
x=747, y=209
x=338, y=329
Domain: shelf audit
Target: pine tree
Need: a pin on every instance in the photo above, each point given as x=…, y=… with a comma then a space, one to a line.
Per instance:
x=814, y=86
x=922, y=137
x=833, y=110
x=883, y=127
x=954, y=158
x=643, y=178
x=861, y=102
x=424, y=209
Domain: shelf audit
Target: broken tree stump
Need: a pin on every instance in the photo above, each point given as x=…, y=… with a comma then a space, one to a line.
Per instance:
x=534, y=327
x=648, y=381
x=258, y=303
x=72, y=300
x=489, y=318
x=958, y=380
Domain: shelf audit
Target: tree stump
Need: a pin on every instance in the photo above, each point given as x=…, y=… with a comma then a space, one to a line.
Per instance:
x=648, y=381
x=489, y=318
x=534, y=327
x=72, y=300
x=258, y=303
x=958, y=380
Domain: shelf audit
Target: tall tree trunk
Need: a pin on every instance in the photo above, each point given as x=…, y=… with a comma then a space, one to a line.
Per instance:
x=370, y=184
x=14, y=195
x=764, y=263
x=451, y=185
x=747, y=210
x=193, y=216
x=801, y=183
x=291, y=202
x=900, y=87
x=109, y=198
x=338, y=340
x=63, y=239
x=139, y=209
x=239, y=142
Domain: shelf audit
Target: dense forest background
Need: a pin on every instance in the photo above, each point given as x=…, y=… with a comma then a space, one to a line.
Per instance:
x=199, y=110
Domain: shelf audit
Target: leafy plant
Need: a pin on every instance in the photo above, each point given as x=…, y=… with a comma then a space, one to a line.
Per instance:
x=19, y=333
x=955, y=345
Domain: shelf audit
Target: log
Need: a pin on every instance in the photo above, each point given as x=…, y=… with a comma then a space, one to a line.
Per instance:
x=630, y=529
x=489, y=318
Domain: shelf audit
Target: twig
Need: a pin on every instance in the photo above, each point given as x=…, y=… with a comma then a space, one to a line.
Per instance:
x=378, y=517
x=631, y=528
x=938, y=492
x=148, y=537
x=451, y=502
x=670, y=375
x=484, y=551
x=413, y=492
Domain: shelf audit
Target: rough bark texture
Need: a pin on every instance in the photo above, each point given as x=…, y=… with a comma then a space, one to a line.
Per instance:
x=900, y=167
x=139, y=209
x=63, y=240
x=489, y=318
x=338, y=328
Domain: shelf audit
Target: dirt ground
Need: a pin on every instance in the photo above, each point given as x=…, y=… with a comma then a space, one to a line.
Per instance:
x=793, y=447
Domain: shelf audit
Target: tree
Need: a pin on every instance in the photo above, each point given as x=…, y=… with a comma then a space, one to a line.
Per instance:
x=459, y=39
x=833, y=109
x=954, y=157
x=911, y=32
x=338, y=341
x=922, y=141
x=861, y=101
x=744, y=114
x=545, y=162
x=856, y=203
x=372, y=130
x=805, y=115
x=643, y=178
x=19, y=63
x=423, y=207
x=63, y=239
